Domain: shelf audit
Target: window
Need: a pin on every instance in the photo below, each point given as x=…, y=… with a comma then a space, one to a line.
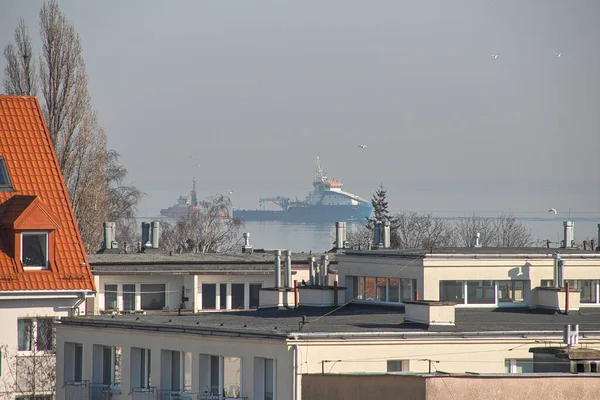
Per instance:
x=588, y=290
x=209, y=296
x=215, y=374
x=232, y=374
x=512, y=291
x=223, y=296
x=381, y=288
x=481, y=292
x=269, y=378
x=547, y=283
x=369, y=293
x=254, y=294
x=34, y=250
x=110, y=297
x=4, y=180
x=153, y=296
x=359, y=287
x=45, y=334
x=73, y=362
x=407, y=289
x=140, y=368
x=25, y=332
x=129, y=297
x=237, y=296
x=393, y=290
x=452, y=291
x=516, y=366
x=111, y=366
x=397, y=365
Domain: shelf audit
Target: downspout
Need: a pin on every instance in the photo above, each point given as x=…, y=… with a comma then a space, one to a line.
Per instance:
x=296, y=369
x=81, y=299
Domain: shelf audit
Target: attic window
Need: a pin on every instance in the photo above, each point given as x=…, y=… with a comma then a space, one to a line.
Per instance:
x=34, y=250
x=4, y=181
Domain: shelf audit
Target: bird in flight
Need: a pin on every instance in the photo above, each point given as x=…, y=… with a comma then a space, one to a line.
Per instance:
x=494, y=55
x=231, y=192
x=198, y=165
x=362, y=146
x=558, y=54
x=553, y=210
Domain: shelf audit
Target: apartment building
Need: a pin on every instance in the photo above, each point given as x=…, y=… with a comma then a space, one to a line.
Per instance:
x=44, y=271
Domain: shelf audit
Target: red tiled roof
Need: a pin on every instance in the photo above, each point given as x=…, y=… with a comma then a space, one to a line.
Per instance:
x=38, y=187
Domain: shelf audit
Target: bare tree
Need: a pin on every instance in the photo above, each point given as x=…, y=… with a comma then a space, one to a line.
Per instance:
x=359, y=236
x=31, y=373
x=20, y=76
x=422, y=231
x=208, y=229
x=501, y=231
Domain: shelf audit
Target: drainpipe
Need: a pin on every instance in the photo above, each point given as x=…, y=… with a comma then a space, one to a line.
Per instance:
x=79, y=301
x=567, y=297
x=296, y=369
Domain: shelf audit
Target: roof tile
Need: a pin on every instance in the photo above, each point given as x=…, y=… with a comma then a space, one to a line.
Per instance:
x=34, y=172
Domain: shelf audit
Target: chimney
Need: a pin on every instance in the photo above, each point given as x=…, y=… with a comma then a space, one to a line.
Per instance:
x=318, y=274
x=571, y=335
x=558, y=270
x=476, y=240
x=108, y=239
x=385, y=235
x=146, y=235
x=288, y=269
x=340, y=235
x=113, y=234
x=277, y=268
x=247, y=247
x=585, y=243
x=592, y=243
x=377, y=234
x=324, y=269
x=312, y=270
x=155, y=233
x=598, y=248
x=569, y=234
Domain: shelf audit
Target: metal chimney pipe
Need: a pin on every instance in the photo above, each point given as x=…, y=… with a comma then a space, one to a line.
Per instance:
x=146, y=234
x=476, y=240
x=247, y=247
x=598, y=248
x=569, y=236
x=318, y=268
x=377, y=234
x=277, y=268
x=340, y=235
x=324, y=269
x=556, y=259
x=113, y=235
x=312, y=270
x=288, y=269
x=386, y=239
x=155, y=235
x=107, y=236
x=592, y=243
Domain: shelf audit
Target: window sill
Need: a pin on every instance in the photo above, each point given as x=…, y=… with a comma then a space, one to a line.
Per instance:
x=36, y=353
x=33, y=268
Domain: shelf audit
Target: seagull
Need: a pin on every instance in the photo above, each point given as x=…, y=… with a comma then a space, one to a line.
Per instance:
x=362, y=146
x=558, y=54
x=198, y=165
x=192, y=156
x=231, y=192
x=553, y=210
x=494, y=55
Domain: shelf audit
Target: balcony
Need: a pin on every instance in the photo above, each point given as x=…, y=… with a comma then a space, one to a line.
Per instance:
x=174, y=395
x=144, y=393
x=89, y=391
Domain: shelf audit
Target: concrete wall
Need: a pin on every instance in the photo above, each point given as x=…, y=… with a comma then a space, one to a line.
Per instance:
x=406, y=387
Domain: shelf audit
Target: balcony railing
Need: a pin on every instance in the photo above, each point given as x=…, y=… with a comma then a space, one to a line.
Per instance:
x=77, y=390
x=174, y=395
x=144, y=393
x=207, y=396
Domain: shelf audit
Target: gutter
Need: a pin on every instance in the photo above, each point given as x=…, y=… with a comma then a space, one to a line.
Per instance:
x=407, y=335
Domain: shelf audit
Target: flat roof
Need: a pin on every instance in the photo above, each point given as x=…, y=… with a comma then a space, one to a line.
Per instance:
x=473, y=251
x=353, y=318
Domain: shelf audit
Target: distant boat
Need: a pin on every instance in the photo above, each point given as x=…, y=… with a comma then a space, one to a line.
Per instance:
x=185, y=206
x=327, y=202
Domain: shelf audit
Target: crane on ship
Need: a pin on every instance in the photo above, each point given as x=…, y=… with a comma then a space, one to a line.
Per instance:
x=281, y=201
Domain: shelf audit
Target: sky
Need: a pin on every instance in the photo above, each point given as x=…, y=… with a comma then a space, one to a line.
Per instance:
x=254, y=90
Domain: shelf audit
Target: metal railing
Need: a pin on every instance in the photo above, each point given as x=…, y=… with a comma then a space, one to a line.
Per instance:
x=77, y=390
x=174, y=395
x=207, y=396
x=144, y=393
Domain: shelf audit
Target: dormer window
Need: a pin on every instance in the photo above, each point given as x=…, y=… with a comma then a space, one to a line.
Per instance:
x=34, y=250
x=4, y=180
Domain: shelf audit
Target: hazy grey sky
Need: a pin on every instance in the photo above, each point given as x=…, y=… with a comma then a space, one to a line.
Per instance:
x=255, y=89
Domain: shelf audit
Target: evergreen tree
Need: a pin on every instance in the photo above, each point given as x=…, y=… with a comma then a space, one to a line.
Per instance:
x=380, y=205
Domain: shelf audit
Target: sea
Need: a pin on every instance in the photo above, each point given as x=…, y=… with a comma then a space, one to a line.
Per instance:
x=305, y=237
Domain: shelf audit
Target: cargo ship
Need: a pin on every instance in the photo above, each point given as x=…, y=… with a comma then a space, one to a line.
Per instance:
x=327, y=202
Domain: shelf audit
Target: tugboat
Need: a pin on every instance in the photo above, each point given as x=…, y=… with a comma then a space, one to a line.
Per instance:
x=184, y=207
x=327, y=202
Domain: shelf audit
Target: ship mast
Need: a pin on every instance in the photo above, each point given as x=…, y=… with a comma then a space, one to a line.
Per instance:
x=319, y=173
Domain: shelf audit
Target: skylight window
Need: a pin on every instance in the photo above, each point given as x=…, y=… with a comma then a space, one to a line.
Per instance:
x=4, y=181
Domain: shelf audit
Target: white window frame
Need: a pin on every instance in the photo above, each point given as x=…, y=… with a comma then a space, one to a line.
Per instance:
x=35, y=267
x=4, y=173
x=404, y=365
x=34, y=336
x=113, y=365
x=512, y=364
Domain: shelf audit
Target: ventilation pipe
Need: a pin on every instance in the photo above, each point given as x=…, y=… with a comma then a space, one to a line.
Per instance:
x=377, y=235
x=155, y=233
x=569, y=235
x=318, y=268
x=277, y=268
x=113, y=234
x=312, y=270
x=592, y=243
x=558, y=270
x=598, y=248
x=386, y=239
x=247, y=247
x=324, y=269
x=476, y=240
x=108, y=239
x=146, y=234
x=288, y=269
x=340, y=235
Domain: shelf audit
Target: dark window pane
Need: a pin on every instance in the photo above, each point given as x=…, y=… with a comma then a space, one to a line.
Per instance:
x=237, y=295
x=128, y=297
x=481, y=292
x=214, y=375
x=25, y=333
x=381, y=285
x=223, y=296
x=110, y=297
x=34, y=250
x=512, y=291
x=45, y=334
x=452, y=291
x=106, y=365
x=588, y=291
x=254, y=293
x=78, y=363
x=407, y=288
x=369, y=288
x=153, y=296
x=3, y=174
x=393, y=290
x=209, y=296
